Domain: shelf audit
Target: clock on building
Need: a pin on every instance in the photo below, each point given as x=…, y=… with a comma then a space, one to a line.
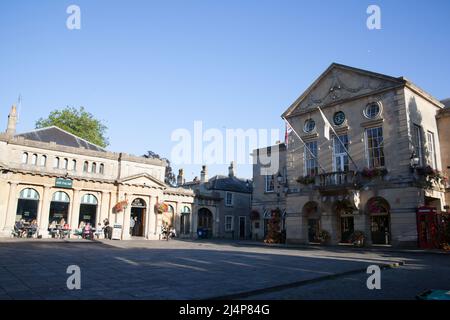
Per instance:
x=339, y=118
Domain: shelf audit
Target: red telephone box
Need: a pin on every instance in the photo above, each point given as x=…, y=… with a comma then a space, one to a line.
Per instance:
x=427, y=227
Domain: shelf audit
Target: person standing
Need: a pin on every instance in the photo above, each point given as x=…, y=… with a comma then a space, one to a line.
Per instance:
x=132, y=224
x=136, y=227
x=107, y=229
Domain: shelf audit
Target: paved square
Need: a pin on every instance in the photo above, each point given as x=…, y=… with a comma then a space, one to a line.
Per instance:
x=36, y=269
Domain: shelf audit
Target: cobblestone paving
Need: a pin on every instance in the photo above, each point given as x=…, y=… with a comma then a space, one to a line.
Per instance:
x=36, y=269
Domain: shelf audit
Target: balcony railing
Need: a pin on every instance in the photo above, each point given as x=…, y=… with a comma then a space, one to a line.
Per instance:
x=336, y=179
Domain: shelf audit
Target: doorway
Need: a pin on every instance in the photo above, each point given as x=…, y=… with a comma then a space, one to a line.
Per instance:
x=88, y=210
x=59, y=208
x=241, y=228
x=205, y=222
x=347, y=228
x=138, y=213
x=313, y=230
x=27, y=206
x=380, y=229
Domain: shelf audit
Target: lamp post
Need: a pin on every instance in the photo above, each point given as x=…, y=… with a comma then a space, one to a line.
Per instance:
x=414, y=161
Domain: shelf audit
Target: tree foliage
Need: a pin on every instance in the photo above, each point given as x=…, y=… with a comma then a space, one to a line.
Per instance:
x=170, y=177
x=78, y=122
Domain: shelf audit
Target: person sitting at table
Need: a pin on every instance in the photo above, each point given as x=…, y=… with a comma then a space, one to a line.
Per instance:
x=65, y=232
x=18, y=226
x=32, y=230
x=98, y=230
x=87, y=231
x=79, y=231
x=53, y=229
x=62, y=222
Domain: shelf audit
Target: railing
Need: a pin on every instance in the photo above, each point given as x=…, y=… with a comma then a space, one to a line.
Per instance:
x=335, y=179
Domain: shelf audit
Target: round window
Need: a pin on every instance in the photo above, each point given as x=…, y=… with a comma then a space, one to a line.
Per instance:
x=310, y=124
x=372, y=110
x=339, y=118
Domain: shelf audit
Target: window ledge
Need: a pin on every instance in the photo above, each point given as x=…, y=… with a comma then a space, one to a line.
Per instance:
x=372, y=123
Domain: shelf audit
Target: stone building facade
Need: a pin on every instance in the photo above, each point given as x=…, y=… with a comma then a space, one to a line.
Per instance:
x=389, y=127
x=222, y=204
x=270, y=189
x=443, y=121
x=50, y=174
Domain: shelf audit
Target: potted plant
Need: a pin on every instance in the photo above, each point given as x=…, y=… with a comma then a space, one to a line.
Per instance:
x=120, y=206
x=357, y=238
x=370, y=173
x=430, y=177
x=323, y=236
x=306, y=180
x=161, y=207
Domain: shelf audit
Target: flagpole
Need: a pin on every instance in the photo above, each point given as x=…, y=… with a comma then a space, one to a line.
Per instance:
x=339, y=139
x=304, y=144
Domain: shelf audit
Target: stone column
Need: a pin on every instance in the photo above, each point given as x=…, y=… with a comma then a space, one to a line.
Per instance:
x=74, y=215
x=44, y=212
x=148, y=229
x=11, y=210
x=153, y=219
x=103, y=212
x=126, y=222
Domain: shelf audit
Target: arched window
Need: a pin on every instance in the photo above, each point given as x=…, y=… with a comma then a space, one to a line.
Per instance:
x=102, y=169
x=56, y=163
x=34, y=159
x=186, y=209
x=74, y=165
x=89, y=199
x=66, y=163
x=29, y=194
x=60, y=196
x=94, y=167
x=43, y=161
x=85, y=166
x=25, y=158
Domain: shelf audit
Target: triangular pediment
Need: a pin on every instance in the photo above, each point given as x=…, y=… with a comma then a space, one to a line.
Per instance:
x=143, y=179
x=339, y=83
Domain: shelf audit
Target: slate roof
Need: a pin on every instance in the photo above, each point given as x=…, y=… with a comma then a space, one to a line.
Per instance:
x=446, y=102
x=227, y=183
x=60, y=137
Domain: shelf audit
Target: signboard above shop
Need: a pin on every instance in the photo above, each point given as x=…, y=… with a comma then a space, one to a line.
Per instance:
x=63, y=183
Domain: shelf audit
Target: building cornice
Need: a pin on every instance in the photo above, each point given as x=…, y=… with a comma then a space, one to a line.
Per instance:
x=107, y=155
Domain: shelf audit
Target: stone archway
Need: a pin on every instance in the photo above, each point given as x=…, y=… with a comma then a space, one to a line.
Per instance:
x=205, y=222
x=378, y=210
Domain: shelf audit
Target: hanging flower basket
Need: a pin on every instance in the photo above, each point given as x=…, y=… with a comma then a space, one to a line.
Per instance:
x=431, y=177
x=120, y=206
x=306, y=180
x=161, y=207
x=371, y=173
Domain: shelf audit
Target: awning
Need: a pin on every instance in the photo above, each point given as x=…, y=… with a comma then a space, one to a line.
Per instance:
x=268, y=213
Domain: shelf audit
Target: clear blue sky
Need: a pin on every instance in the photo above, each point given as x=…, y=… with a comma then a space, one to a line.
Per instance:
x=149, y=67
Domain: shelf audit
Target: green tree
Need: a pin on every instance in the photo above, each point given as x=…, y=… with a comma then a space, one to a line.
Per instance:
x=79, y=122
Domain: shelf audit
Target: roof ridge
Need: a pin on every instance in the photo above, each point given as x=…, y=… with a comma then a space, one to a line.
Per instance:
x=65, y=131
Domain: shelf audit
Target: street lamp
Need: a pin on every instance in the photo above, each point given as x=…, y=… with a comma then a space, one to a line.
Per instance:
x=279, y=178
x=414, y=161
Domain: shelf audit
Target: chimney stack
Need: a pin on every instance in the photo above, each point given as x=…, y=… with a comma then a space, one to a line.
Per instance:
x=204, y=174
x=12, y=121
x=231, y=169
x=180, y=179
